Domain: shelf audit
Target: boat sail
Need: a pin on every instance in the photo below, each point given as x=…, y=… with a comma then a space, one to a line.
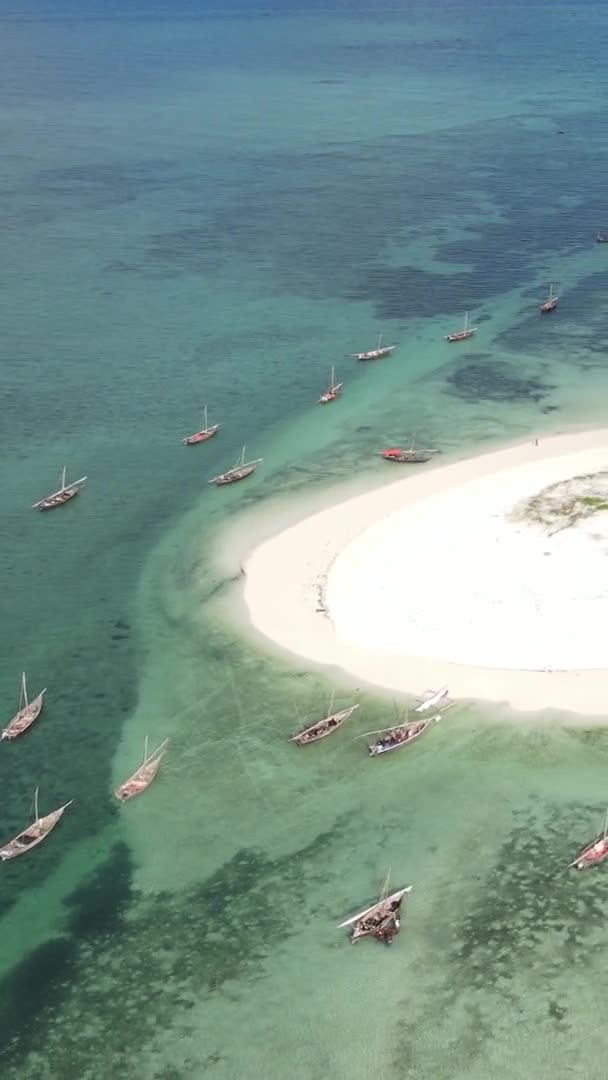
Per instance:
x=377, y=353
x=324, y=727
x=333, y=392
x=205, y=432
x=381, y=920
x=35, y=833
x=462, y=335
x=27, y=712
x=144, y=775
x=550, y=303
x=595, y=852
x=237, y=472
x=407, y=455
x=58, y=498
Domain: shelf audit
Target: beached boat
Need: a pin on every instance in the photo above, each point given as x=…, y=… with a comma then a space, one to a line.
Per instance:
x=58, y=498
x=381, y=920
x=462, y=335
x=237, y=472
x=407, y=455
x=550, y=303
x=595, y=852
x=377, y=353
x=601, y=238
x=333, y=392
x=144, y=775
x=206, y=432
x=393, y=738
x=35, y=833
x=27, y=712
x=324, y=727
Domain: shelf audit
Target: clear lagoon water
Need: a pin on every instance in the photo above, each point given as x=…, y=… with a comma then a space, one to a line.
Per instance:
x=216, y=204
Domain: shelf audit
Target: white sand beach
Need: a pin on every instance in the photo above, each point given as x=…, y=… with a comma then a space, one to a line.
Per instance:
x=451, y=575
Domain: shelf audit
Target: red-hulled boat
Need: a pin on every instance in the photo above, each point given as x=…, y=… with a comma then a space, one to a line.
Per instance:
x=206, y=432
x=334, y=390
x=594, y=853
x=550, y=303
x=407, y=455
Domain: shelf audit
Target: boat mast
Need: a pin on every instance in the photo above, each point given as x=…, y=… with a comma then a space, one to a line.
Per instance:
x=380, y=339
x=63, y=479
x=384, y=893
x=205, y=418
x=24, y=702
x=36, y=805
x=466, y=321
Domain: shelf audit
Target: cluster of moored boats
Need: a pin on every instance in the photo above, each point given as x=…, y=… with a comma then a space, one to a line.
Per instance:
x=382, y=919
x=40, y=827
x=408, y=455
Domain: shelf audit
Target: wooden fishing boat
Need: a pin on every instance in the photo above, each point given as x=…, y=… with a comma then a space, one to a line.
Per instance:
x=393, y=738
x=381, y=920
x=322, y=728
x=35, y=833
x=333, y=392
x=206, y=432
x=58, y=498
x=377, y=353
x=407, y=455
x=144, y=775
x=27, y=712
x=594, y=853
x=462, y=335
x=237, y=472
x=550, y=303
x=601, y=238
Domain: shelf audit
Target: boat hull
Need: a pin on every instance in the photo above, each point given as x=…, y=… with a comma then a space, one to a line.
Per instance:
x=24, y=719
x=32, y=836
x=375, y=354
x=57, y=500
x=323, y=728
x=200, y=436
x=592, y=855
x=461, y=335
x=234, y=477
x=379, y=748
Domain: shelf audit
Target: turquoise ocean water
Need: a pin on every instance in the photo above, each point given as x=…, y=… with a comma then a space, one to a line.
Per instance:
x=216, y=204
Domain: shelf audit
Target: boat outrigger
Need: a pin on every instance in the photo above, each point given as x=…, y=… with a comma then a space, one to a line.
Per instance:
x=144, y=775
x=237, y=472
x=35, y=833
x=431, y=698
x=595, y=852
x=333, y=392
x=375, y=354
x=206, y=432
x=381, y=920
x=550, y=303
x=58, y=498
x=324, y=727
x=27, y=712
x=462, y=335
x=407, y=455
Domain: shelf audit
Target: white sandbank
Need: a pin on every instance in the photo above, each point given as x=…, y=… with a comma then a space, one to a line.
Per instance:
x=427, y=581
